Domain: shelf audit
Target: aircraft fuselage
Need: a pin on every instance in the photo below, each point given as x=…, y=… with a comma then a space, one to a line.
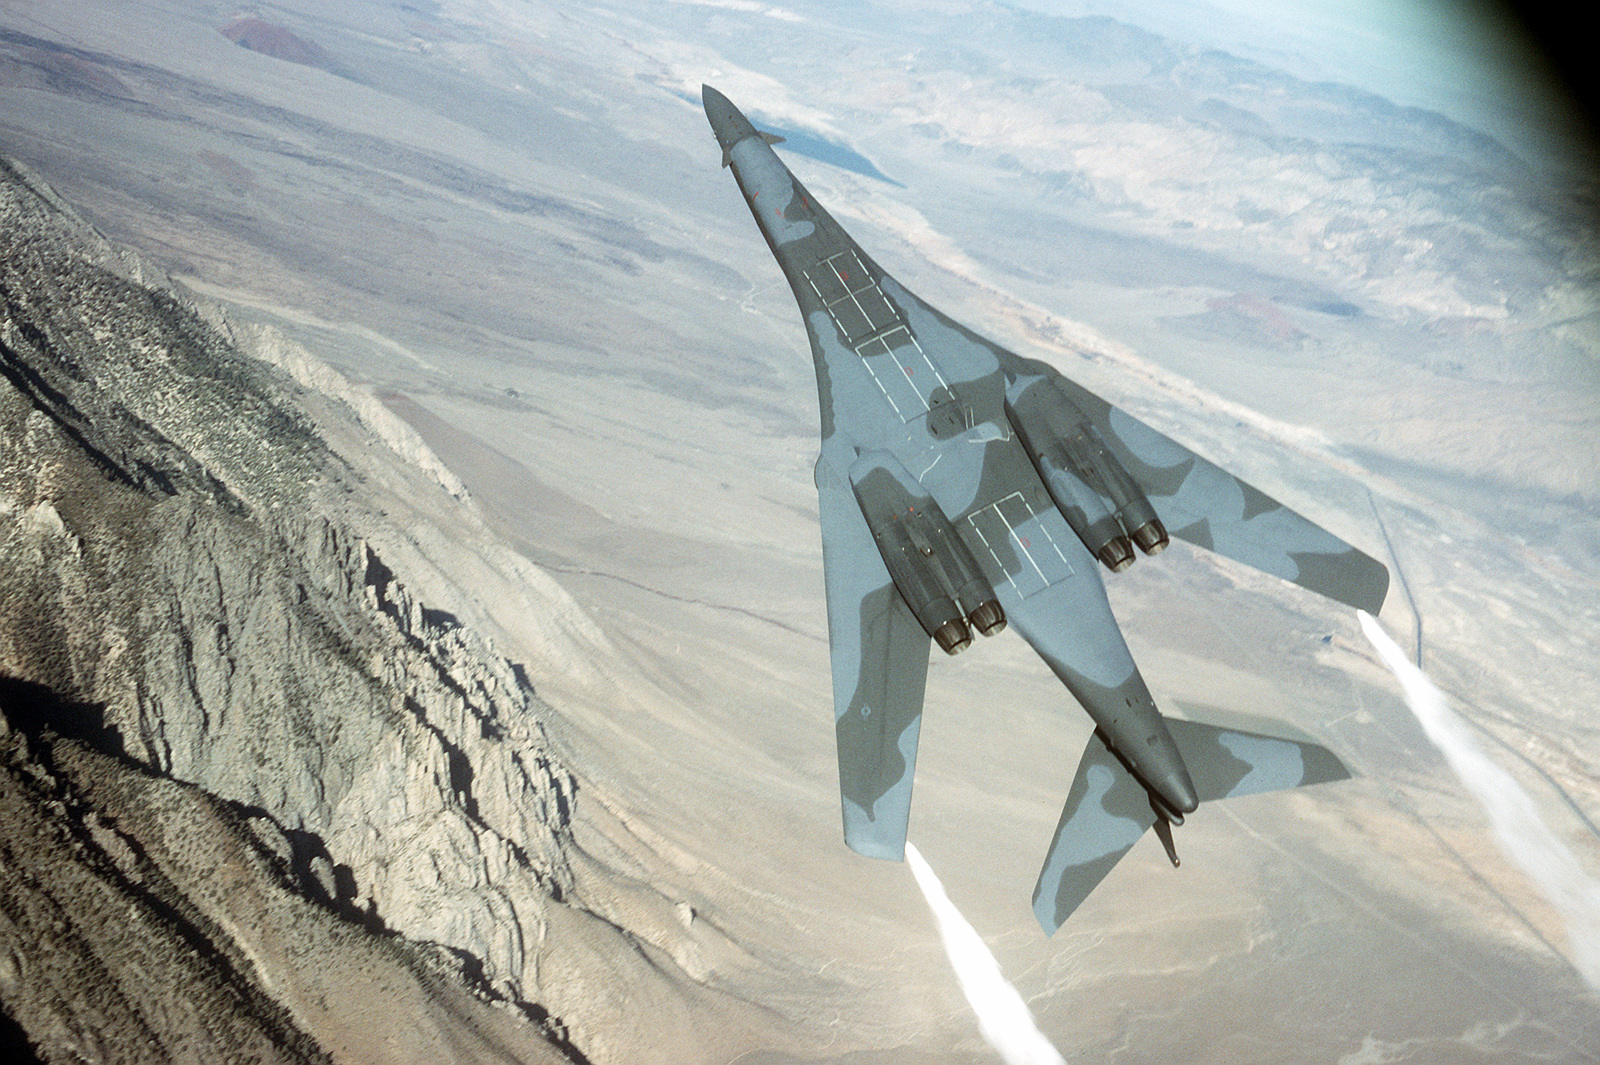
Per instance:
x=896, y=378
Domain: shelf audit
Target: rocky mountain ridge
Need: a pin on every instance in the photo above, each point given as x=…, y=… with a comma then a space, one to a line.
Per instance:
x=210, y=677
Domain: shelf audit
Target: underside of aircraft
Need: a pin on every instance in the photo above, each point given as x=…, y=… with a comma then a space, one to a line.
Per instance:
x=964, y=489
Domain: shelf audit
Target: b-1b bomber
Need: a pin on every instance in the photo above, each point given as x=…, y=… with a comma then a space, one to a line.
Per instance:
x=963, y=489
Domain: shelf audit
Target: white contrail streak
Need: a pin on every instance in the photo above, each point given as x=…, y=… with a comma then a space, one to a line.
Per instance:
x=1522, y=834
x=1003, y=1017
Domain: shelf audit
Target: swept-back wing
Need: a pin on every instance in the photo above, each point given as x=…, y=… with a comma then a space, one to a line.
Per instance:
x=1206, y=505
x=880, y=670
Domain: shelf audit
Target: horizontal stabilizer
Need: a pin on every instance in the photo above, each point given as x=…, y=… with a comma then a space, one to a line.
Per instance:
x=1108, y=809
x=1106, y=812
x=1225, y=762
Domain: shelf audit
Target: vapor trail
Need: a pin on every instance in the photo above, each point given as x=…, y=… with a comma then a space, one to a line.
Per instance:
x=1003, y=1017
x=1522, y=834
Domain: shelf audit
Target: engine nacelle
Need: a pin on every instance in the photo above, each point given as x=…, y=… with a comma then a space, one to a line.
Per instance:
x=1097, y=496
x=928, y=561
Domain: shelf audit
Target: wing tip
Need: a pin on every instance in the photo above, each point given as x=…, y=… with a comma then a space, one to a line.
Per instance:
x=1048, y=919
x=882, y=838
x=1372, y=585
x=883, y=850
x=1351, y=577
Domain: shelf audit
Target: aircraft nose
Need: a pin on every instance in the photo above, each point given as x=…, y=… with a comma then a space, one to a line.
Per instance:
x=727, y=122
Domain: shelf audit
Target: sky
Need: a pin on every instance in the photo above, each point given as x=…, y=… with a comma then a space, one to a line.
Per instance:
x=1471, y=61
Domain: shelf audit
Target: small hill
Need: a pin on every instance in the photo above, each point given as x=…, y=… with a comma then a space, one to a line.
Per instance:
x=277, y=42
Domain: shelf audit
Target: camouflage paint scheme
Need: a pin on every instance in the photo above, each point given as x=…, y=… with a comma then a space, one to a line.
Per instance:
x=915, y=406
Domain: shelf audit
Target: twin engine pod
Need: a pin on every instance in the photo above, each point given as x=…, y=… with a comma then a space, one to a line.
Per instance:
x=928, y=561
x=1100, y=500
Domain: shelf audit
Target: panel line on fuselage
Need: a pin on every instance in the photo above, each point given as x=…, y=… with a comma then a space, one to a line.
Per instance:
x=877, y=333
x=1047, y=562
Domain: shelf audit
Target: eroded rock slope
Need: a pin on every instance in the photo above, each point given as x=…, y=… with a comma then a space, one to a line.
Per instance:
x=259, y=800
